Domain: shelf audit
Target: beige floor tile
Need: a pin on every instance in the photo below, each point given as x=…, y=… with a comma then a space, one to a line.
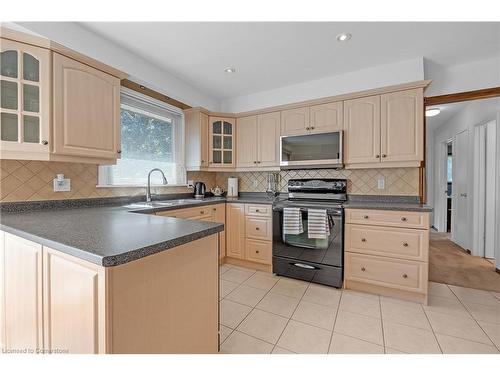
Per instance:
x=446, y=306
x=268, y=274
x=314, y=314
x=232, y=313
x=410, y=339
x=278, y=304
x=224, y=268
x=278, y=350
x=496, y=295
x=224, y=332
x=303, y=338
x=263, y=325
x=458, y=326
x=359, y=326
x=246, y=295
x=226, y=287
x=440, y=290
x=493, y=332
x=359, y=304
x=237, y=275
x=468, y=295
x=290, y=287
x=342, y=344
x=404, y=314
x=393, y=351
x=261, y=282
x=239, y=343
x=484, y=313
x=455, y=345
x=362, y=294
x=322, y=295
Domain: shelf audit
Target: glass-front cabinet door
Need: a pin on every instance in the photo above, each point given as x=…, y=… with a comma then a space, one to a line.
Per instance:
x=222, y=142
x=24, y=99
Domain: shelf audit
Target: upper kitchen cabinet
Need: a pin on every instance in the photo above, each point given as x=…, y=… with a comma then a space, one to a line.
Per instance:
x=258, y=141
x=56, y=104
x=321, y=118
x=402, y=123
x=86, y=110
x=197, y=150
x=384, y=131
x=362, y=130
x=221, y=142
x=25, y=100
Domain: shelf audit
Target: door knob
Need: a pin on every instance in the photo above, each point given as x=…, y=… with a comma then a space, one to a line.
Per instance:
x=363, y=240
x=365, y=217
x=404, y=219
x=257, y=228
x=384, y=155
x=363, y=269
x=377, y=156
x=405, y=244
x=405, y=276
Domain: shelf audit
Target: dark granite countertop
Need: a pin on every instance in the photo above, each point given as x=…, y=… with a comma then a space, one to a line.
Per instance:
x=390, y=202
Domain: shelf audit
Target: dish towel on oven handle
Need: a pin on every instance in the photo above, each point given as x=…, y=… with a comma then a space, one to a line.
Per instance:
x=317, y=224
x=292, y=221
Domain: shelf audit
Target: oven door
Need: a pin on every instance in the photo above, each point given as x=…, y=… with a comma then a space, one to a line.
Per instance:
x=300, y=247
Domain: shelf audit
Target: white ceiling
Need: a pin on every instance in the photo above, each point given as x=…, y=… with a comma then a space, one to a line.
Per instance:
x=447, y=112
x=273, y=55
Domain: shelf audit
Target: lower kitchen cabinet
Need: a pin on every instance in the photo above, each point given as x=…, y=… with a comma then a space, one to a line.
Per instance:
x=387, y=253
x=21, y=305
x=249, y=233
x=163, y=303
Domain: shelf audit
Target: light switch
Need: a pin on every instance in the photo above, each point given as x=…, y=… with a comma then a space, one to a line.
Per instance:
x=381, y=183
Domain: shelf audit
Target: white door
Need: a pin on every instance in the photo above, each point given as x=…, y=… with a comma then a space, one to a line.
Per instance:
x=459, y=219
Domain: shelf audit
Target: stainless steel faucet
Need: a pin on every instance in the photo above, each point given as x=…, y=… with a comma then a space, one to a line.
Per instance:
x=148, y=190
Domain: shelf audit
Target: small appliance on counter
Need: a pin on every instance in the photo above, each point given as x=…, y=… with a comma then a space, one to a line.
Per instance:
x=217, y=191
x=232, y=187
x=199, y=190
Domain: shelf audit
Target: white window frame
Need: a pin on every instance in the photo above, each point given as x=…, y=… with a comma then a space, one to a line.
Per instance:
x=148, y=106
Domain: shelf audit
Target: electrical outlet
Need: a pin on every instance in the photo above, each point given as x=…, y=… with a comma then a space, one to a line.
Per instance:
x=381, y=183
x=63, y=184
x=190, y=183
x=255, y=183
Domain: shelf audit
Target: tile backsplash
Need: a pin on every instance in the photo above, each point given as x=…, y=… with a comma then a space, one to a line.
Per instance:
x=24, y=180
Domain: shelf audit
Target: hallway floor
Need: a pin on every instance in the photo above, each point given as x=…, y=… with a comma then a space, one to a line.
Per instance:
x=450, y=264
x=261, y=313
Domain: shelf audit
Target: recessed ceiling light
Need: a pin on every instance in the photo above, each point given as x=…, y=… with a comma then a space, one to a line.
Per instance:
x=344, y=37
x=230, y=70
x=431, y=112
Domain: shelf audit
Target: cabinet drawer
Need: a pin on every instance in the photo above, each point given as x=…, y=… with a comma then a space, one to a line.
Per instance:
x=189, y=213
x=387, y=272
x=258, y=251
x=264, y=210
x=258, y=228
x=410, y=244
x=403, y=219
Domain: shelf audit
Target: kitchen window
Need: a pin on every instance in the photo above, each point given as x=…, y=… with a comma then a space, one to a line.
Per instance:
x=152, y=136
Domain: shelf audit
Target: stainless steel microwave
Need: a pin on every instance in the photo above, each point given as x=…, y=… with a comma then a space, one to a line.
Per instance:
x=319, y=150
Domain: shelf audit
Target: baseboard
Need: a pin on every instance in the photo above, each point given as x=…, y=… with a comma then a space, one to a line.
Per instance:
x=247, y=264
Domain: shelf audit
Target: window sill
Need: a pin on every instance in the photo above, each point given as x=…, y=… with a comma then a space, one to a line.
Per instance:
x=142, y=186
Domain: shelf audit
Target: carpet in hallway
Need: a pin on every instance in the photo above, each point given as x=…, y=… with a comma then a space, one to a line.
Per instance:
x=450, y=264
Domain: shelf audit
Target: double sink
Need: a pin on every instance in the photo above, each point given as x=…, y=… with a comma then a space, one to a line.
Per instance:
x=159, y=204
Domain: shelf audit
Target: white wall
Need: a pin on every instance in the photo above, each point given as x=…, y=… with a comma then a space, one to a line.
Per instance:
x=74, y=36
x=365, y=79
x=473, y=113
x=464, y=77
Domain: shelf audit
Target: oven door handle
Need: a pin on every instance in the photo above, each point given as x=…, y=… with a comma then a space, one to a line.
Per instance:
x=306, y=266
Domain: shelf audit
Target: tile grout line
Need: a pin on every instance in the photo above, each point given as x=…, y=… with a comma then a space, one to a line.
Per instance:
x=382, y=322
x=293, y=312
x=335, y=320
x=432, y=329
x=474, y=318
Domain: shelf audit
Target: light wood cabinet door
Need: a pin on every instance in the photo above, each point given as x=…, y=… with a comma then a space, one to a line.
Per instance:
x=295, y=121
x=74, y=304
x=235, y=233
x=21, y=264
x=204, y=139
x=402, y=126
x=25, y=111
x=219, y=216
x=86, y=110
x=222, y=139
x=326, y=117
x=247, y=142
x=362, y=130
x=269, y=129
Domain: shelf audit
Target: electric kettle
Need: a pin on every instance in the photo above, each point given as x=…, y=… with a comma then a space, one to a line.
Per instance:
x=199, y=190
